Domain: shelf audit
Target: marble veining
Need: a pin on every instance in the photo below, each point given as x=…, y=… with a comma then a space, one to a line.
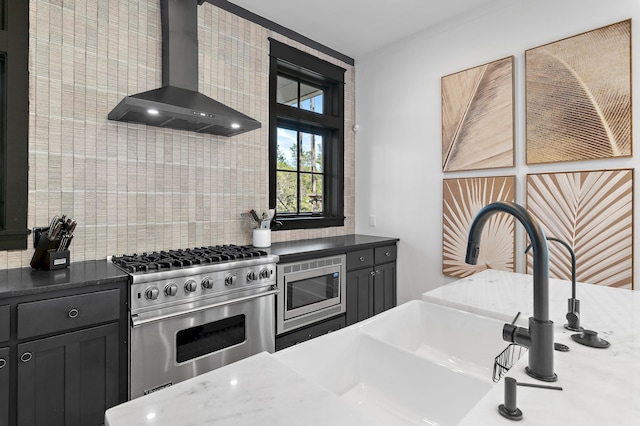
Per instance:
x=601, y=386
x=255, y=391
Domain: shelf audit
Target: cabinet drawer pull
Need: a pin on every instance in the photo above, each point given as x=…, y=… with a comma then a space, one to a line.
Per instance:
x=3, y=362
x=73, y=313
x=372, y=273
x=386, y=253
x=361, y=258
x=26, y=357
x=378, y=272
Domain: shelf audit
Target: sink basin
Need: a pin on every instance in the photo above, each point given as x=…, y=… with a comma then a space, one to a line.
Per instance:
x=460, y=340
x=419, y=363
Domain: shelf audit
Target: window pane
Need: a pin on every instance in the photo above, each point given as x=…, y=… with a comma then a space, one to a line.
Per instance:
x=311, y=98
x=286, y=192
x=311, y=186
x=311, y=153
x=287, y=92
x=287, y=149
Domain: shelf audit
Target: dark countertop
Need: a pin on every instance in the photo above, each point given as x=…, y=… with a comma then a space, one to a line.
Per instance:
x=291, y=251
x=24, y=281
x=28, y=281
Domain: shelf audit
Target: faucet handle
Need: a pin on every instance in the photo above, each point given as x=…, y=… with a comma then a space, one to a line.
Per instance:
x=508, y=331
x=513, y=334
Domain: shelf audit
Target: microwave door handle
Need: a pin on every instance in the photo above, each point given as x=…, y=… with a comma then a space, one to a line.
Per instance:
x=136, y=321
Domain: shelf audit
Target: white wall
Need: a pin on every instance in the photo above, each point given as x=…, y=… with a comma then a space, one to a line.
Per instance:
x=398, y=145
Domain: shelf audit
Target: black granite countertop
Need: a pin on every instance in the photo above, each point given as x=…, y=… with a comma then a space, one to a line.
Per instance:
x=26, y=281
x=292, y=251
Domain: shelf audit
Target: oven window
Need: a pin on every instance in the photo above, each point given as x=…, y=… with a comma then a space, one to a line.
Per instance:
x=312, y=290
x=208, y=338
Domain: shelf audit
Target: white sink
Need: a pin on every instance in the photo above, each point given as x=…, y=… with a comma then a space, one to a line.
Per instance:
x=460, y=340
x=419, y=363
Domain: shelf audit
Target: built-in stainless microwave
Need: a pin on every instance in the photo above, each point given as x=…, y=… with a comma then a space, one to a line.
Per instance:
x=310, y=291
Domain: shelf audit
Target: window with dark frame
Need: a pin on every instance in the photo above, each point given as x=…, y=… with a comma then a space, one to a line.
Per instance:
x=14, y=123
x=306, y=139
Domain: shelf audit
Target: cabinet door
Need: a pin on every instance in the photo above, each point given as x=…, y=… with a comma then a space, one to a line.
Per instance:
x=359, y=295
x=384, y=287
x=70, y=379
x=4, y=386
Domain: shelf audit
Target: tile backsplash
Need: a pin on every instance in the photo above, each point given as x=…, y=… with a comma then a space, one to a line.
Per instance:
x=134, y=188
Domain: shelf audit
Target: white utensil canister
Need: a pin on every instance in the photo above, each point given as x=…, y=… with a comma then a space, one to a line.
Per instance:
x=262, y=237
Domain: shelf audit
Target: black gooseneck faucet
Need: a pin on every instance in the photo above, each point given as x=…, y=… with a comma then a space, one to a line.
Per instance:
x=539, y=336
x=573, y=310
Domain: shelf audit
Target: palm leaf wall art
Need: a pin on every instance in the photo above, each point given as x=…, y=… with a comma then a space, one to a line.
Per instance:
x=593, y=212
x=477, y=117
x=578, y=97
x=463, y=199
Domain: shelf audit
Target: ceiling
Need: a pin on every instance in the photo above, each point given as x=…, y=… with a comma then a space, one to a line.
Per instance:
x=358, y=27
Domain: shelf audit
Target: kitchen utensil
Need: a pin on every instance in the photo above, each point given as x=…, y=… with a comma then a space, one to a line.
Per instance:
x=268, y=215
x=53, y=232
x=71, y=227
x=255, y=217
x=249, y=218
x=53, y=223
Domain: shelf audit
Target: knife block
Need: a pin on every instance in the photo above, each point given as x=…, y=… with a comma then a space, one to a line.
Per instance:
x=47, y=256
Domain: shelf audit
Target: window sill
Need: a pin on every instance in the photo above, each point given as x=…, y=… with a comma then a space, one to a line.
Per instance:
x=301, y=222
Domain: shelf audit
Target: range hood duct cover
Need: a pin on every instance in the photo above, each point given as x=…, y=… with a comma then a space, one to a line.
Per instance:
x=178, y=104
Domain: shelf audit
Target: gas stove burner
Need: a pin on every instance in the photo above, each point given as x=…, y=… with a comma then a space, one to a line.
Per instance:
x=183, y=258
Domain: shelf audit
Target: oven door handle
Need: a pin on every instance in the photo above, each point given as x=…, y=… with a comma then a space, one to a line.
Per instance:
x=136, y=321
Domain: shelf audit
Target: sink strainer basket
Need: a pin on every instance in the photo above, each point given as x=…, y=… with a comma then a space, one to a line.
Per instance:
x=506, y=359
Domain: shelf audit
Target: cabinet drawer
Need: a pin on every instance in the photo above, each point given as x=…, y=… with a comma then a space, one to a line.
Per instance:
x=65, y=313
x=310, y=332
x=5, y=325
x=359, y=259
x=386, y=254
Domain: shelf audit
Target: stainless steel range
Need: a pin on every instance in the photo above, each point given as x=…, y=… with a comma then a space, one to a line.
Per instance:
x=197, y=309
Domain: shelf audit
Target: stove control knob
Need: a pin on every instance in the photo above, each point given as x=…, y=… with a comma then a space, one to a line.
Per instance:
x=190, y=286
x=230, y=279
x=207, y=283
x=170, y=289
x=251, y=276
x=265, y=273
x=151, y=293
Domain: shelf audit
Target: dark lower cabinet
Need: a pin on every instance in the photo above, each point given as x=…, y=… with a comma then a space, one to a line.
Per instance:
x=66, y=356
x=384, y=287
x=371, y=282
x=359, y=295
x=69, y=379
x=4, y=386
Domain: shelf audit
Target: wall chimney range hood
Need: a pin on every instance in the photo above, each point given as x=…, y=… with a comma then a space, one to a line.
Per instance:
x=178, y=104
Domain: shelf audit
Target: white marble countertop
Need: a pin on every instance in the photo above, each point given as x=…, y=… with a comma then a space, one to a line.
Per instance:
x=601, y=386
x=259, y=390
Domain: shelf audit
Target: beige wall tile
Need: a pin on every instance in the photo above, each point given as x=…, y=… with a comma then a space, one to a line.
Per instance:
x=132, y=187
